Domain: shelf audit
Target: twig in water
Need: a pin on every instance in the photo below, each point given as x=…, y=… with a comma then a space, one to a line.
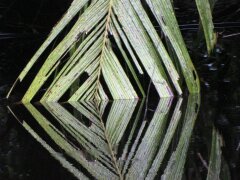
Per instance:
x=203, y=161
x=231, y=35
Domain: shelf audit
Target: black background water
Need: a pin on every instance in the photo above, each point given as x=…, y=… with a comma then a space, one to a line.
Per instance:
x=24, y=24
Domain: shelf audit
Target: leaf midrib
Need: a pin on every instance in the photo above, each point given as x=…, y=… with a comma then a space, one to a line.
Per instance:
x=109, y=144
x=105, y=37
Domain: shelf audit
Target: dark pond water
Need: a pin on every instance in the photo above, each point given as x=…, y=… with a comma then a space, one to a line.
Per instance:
x=191, y=137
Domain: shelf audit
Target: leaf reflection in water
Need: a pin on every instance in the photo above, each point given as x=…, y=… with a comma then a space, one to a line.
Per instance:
x=106, y=140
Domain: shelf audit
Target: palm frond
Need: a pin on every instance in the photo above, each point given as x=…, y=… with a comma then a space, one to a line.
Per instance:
x=118, y=46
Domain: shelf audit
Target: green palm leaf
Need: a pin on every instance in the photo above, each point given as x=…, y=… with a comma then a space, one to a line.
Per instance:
x=205, y=7
x=114, y=33
x=164, y=13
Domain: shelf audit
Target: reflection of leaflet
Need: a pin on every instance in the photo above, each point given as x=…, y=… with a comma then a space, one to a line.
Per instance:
x=78, y=174
x=150, y=142
x=177, y=160
x=215, y=156
x=117, y=142
x=118, y=119
x=96, y=168
x=156, y=164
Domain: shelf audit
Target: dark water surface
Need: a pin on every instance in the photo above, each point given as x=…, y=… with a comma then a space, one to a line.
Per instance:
x=191, y=137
